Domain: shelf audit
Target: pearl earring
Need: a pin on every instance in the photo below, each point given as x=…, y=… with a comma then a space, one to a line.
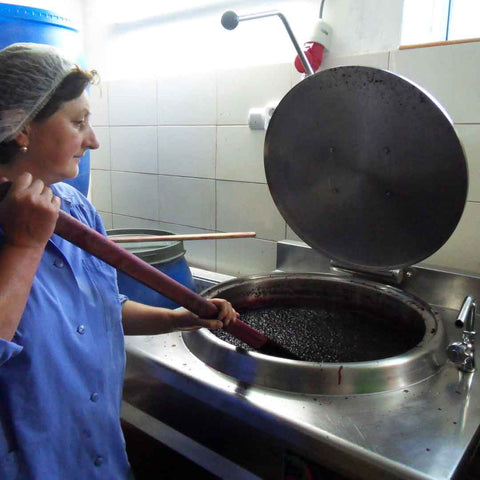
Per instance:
x=24, y=149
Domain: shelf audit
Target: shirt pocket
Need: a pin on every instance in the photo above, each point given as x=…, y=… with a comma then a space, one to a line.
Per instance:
x=104, y=279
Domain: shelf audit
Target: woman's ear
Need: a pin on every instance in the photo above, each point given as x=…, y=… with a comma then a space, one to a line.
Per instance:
x=23, y=138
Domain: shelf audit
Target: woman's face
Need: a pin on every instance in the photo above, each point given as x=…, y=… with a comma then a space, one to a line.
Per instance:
x=56, y=144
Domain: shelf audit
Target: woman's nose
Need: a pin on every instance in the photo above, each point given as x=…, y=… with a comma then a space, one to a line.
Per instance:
x=91, y=140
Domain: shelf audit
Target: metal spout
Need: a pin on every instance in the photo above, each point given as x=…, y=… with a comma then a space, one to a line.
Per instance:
x=463, y=353
x=466, y=316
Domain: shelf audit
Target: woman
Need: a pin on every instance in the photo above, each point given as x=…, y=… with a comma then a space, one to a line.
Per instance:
x=62, y=319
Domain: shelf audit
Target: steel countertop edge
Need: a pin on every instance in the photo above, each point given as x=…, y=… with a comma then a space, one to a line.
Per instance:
x=422, y=431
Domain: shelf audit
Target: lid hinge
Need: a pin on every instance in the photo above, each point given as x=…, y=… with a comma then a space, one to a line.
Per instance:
x=393, y=277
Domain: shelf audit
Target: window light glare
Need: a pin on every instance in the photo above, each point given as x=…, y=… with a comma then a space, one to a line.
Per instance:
x=123, y=12
x=464, y=19
x=429, y=21
x=424, y=21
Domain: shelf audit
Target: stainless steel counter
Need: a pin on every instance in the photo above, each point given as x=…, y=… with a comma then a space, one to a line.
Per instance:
x=423, y=431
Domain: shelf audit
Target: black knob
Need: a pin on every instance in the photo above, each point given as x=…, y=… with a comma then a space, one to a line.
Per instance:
x=229, y=20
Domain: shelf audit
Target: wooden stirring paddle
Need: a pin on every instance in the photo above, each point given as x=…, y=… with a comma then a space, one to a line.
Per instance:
x=101, y=247
x=179, y=237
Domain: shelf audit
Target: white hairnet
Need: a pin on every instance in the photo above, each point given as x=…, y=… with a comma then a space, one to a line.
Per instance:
x=29, y=74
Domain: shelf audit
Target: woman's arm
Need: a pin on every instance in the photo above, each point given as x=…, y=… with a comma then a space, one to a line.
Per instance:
x=27, y=215
x=17, y=270
x=140, y=319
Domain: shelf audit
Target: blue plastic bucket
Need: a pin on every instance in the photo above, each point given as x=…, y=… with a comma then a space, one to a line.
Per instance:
x=168, y=257
x=26, y=24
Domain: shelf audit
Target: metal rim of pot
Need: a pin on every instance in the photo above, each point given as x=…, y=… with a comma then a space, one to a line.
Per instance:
x=385, y=374
x=366, y=168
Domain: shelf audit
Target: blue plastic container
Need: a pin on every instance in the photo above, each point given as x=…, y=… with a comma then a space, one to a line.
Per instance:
x=26, y=24
x=168, y=257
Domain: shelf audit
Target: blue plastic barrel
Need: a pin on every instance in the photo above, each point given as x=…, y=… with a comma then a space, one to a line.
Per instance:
x=168, y=257
x=26, y=24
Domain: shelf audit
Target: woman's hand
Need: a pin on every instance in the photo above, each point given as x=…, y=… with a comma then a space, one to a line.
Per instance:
x=186, y=320
x=28, y=215
x=29, y=212
x=140, y=319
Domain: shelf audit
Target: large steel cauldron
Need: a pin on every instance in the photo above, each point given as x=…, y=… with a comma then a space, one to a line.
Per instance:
x=367, y=169
x=398, y=319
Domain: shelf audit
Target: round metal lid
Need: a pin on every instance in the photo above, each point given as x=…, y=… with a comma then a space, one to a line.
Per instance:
x=153, y=253
x=366, y=167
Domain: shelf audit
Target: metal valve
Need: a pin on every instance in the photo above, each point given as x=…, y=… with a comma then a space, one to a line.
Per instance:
x=463, y=353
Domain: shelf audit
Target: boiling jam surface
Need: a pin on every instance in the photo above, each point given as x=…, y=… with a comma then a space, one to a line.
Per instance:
x=319, y=335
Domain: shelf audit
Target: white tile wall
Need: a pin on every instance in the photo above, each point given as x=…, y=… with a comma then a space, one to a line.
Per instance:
x=187, y=201
x=107, y=219
x=246, y=256
x=296, y=76
x=134, y=149
x=240, y=90
x=449, y=73
x=470, y=137
x=99, y=104
x=100, y=158
x=199, y=253
x=240, y=154
x=461, y=252
x=375, y=60
x=210, y=174
x=187, y=151
x=291, y=235
x=248, y=207
x=101, y=189
x=132, y=102
x=187, y=99
x=135, y=194
x=124, y=221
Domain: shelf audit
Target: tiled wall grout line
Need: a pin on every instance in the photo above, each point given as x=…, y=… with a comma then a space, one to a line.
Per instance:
x=238, y=196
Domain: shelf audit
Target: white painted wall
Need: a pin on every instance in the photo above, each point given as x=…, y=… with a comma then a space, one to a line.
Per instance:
x=178, y=154
x=190, y=40
x=364, y=25
x=121, y=45
x=171, y=115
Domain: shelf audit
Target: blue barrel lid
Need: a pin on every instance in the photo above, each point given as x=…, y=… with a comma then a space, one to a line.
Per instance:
x=153, y=253
x=31, y=14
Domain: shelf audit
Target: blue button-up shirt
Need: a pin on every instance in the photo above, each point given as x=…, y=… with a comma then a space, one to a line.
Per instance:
x=61, y=375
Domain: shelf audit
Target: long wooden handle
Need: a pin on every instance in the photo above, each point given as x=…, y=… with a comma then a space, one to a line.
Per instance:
x=101, y=247
x=188, y=236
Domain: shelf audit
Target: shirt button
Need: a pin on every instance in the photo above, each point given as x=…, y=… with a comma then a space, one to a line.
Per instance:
x=98, y=461
x=94, y=397
x=81, y=329
x=59, y=263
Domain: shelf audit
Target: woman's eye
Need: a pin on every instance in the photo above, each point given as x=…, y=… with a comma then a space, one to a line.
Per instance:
x=79, y=123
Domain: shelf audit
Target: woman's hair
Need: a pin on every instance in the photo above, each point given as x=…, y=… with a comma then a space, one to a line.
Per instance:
x=70, y=88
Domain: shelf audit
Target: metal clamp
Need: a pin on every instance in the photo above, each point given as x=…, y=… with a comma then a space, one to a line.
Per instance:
x=463, y=353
